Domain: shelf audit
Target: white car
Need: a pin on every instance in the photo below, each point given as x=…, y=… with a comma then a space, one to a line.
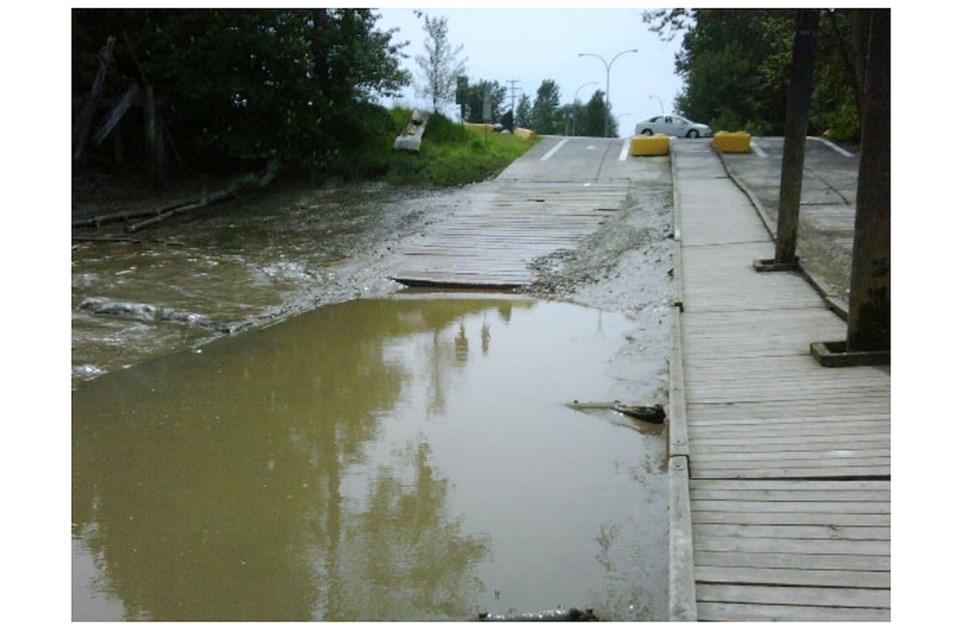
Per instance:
x=673, y=125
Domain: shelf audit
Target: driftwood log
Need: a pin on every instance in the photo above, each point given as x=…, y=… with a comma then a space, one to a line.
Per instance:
x=98, y=220
x=554, y=615
x=220, y=196
x=80, y=239
x=648, y=413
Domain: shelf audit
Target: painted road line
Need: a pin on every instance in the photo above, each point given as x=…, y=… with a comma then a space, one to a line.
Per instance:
x=555, y=149
x=625, y=149
x=843, y=152
x=757, y=150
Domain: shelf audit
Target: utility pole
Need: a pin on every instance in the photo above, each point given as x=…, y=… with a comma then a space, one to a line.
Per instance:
x=868, y=325
x=795, y=136
x=513, y=91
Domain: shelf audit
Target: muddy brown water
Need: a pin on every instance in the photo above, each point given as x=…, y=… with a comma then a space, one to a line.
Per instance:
x=382, y=455
x=405, y=458
x=232, y=267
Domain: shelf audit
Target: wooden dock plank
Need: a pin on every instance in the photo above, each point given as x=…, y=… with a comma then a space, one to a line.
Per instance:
x=789, y=462
x=710, y=611
x=854, y=547
x=787, y=560
x=873, y=533
x=797, y=487
x=800, y=469
x=809, y=596
x=783, y=576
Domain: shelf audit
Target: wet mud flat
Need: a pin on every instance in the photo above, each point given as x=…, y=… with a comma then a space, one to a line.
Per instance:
x=235, y=267
x=292, y=437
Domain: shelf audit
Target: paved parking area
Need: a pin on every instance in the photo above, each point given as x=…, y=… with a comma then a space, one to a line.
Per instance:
x=828, y=201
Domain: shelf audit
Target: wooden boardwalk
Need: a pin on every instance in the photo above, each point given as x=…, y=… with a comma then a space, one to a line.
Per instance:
x=780, y=469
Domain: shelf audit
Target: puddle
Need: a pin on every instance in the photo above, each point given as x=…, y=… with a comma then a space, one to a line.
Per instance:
x=406, y=458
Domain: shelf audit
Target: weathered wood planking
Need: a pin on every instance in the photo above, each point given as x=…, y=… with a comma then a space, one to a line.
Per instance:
x=782, y=576
x=711, y=611
x=789, y=462
x=494, y=240
x=873, y=533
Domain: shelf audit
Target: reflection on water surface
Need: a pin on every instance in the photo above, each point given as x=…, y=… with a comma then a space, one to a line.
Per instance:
x=398, y=459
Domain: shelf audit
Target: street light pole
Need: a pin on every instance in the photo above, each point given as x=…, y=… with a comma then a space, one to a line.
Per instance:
x=575, y=95
x=658, y=101
x=606, y=115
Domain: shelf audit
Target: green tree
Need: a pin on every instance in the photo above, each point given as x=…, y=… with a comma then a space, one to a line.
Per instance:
x=735, y=65
x=473, y=97
x=524, y=112
x=545, y=115
x=594, y=113
x=247, y=84
x=440, y=65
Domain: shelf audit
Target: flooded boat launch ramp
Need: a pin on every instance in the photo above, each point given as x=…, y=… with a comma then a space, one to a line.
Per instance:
x=493, y=242
x=405, y=458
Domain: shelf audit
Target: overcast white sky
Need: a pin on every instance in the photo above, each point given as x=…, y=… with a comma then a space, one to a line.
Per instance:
x=533, y=44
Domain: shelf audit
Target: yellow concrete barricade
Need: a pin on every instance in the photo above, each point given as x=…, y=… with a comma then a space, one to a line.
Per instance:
x=526, y=134
x=478, y=126
x=731, y=142
x=657, y=145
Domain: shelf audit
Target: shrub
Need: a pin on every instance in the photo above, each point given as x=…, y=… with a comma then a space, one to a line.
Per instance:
x=843, y=124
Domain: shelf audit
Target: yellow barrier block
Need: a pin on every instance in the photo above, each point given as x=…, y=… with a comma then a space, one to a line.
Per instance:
x=478, y=126
x=657, y=145
x=524, y=133
x=735, y=142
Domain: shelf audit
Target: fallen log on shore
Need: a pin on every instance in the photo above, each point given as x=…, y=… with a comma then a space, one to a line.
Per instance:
x=155, y=216
x=220, y=196
x=98, y=220
x=216, y=198
x=78, y=239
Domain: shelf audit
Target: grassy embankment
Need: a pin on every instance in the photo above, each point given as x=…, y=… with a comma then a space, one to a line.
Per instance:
x=450, y=155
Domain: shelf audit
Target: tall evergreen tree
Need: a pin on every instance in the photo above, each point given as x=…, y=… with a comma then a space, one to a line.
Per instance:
x=545, y=115
x=594, y=114
x=524, y=113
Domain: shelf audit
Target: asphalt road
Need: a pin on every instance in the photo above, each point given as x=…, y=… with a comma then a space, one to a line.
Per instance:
x=569, y=159
x=828, y=198
x=827, y=201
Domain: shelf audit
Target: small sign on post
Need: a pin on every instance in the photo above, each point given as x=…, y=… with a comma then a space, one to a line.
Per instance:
x=487, y=113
